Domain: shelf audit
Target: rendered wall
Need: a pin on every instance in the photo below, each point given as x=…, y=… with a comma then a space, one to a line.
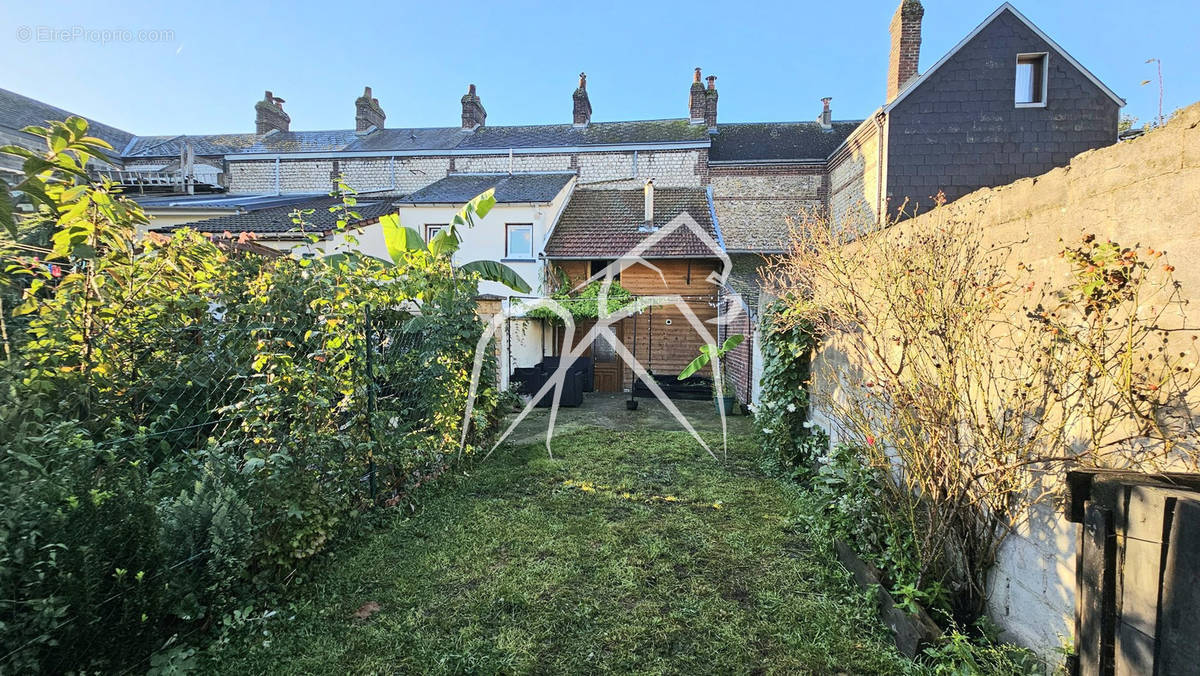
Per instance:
x=1145, y=191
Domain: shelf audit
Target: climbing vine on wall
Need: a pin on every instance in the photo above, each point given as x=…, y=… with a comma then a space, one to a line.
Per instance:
x=782, y=411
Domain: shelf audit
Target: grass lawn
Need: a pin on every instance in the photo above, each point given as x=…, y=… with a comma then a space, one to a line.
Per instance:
x=629, y=551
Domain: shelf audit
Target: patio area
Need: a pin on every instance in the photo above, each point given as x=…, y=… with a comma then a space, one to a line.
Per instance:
x=608, y=411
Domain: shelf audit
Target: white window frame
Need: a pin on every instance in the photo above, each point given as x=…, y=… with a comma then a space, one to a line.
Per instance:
x=1045, y=58
x=432, y=229
x=508, y=228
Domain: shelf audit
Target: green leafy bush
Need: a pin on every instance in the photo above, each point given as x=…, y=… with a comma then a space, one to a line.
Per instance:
x=184, y=427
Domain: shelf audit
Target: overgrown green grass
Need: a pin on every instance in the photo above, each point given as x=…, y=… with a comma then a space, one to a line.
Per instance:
x=626, y=552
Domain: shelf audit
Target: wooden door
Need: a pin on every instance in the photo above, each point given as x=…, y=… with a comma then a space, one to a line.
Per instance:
x=608, y=364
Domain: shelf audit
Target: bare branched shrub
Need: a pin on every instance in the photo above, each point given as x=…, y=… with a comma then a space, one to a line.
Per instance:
x=972, y=380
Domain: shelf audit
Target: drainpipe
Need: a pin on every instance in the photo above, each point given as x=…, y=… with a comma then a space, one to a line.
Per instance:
x=879, y=205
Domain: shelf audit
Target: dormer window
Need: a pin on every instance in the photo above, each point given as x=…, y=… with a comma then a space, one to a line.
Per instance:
x=1031, y=80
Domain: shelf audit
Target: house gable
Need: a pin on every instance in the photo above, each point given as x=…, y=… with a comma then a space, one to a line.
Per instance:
x=958, y=128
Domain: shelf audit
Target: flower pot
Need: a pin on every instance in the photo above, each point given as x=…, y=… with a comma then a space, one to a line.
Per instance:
x=728, y=401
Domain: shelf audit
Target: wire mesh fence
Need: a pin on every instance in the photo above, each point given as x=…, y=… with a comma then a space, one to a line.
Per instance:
x=189, y=467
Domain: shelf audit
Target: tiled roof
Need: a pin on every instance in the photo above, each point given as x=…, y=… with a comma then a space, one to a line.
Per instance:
x=428, y=139
x=607, y=224
x=278, y=219
x=777, y=141
x=510, y=188
x=18, y=112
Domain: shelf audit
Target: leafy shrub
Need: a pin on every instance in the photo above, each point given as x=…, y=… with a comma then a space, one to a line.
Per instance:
x=184, y=428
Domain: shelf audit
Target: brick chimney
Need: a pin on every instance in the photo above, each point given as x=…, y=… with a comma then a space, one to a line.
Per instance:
x=826, y=117
x=367, y=112
x=269, y=115
x=582, y=113
x=710, y=103
x=696, y=105
x=473, y=114
x=906, y=46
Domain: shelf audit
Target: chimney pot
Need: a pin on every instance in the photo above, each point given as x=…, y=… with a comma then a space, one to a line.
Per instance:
x=582, y=106
x=696, y=103
x=826, y=117
x=368, y=114
x=269, y=115
x=473, y=114
x=905, y=55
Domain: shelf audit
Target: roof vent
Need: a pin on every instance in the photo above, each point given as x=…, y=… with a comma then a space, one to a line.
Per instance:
x=648, y=194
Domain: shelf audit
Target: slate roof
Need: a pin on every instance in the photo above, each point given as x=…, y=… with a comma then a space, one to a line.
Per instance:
x=18, y=112
x=510, y=188
x=777, y=141
x=232, y=144
x=606, y=224
x=597, y=133
x=428, y=139
x=246, y=202
x=276, y=220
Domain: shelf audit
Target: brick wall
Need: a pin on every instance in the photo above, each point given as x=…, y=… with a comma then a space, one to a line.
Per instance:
x=960, y=130
x=738, y=360
x=854, y=174
x=1144, y=191
x=670, y=169
x=362, y=174
x=520, y=163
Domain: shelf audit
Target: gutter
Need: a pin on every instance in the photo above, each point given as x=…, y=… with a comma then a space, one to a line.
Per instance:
x=879, y=117
x=738, y=163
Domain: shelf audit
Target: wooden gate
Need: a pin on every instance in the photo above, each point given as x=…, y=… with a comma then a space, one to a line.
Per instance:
x=1138, y=573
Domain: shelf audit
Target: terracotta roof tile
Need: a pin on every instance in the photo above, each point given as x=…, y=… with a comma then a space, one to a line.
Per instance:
x=607, y=224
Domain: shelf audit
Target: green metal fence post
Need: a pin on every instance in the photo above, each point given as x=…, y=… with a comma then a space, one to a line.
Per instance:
x=370, y=378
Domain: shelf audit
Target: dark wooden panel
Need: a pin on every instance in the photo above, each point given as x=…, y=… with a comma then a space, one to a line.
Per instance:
x=1095, y=616
x=1179, y=635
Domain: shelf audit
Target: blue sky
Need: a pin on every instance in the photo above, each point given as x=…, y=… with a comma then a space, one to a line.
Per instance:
x=774, y=60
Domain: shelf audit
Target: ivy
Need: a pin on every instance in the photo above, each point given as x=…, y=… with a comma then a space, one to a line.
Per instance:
x=782, y=412
x=585, y=304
